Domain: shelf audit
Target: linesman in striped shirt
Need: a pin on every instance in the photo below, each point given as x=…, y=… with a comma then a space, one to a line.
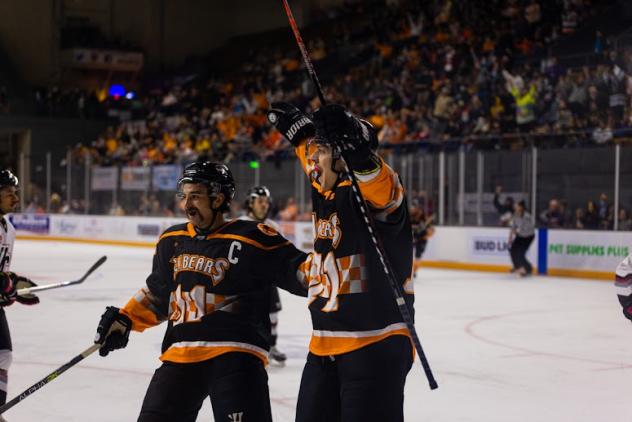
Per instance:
x=520, y=238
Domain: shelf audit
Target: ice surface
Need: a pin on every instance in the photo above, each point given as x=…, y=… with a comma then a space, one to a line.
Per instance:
x=502, y=348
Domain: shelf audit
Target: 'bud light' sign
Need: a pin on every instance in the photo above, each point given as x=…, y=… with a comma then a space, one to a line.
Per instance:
x=489, y=245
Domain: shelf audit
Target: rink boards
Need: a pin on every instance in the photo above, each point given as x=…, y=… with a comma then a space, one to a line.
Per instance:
x=574, y=253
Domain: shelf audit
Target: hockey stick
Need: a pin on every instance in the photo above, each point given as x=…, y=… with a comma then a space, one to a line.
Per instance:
x=57, y=372
x=28, y=290
x=377, y=244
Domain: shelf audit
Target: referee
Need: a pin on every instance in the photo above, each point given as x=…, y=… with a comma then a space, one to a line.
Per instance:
x=520, y=238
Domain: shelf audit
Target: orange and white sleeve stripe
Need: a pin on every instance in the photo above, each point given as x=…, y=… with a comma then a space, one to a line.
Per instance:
x=143, y=310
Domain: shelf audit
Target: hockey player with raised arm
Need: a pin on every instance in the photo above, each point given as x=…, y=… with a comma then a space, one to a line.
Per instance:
x=9, y=281
x=360, y=351
x=209, y=280
x=258, y=205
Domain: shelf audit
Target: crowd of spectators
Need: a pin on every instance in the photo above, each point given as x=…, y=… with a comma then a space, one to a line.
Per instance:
x=419, y=71
x=422, y=72
x=598, y=214
x=59, y=102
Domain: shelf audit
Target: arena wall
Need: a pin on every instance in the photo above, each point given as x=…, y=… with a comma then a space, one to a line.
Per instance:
x=573, y=253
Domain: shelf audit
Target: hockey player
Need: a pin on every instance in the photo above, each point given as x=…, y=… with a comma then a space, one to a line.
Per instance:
x=258, y=205
x=210, y=282
x=623, y=284
x=9, y=282
x=422, y=229
x=520, y=238
x=360, y=351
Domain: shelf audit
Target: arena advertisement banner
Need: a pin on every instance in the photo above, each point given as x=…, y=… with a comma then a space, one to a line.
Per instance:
x=109, y=228
x=104, y=178
x=487, y=203
x=31, y=223
x=135, y=178
x=165, y=177
x=475, y=247
x=588, y=250
x=578, y=253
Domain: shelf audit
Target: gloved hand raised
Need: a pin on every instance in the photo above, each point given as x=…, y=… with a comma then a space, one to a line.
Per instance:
x=335, y=125
x=293, y=124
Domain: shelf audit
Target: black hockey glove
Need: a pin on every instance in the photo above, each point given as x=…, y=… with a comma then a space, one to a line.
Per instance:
x=626, y=303
x=356, y=137
x=8, y=292
x=113, y=330
x=29, y=298
x=293, y=124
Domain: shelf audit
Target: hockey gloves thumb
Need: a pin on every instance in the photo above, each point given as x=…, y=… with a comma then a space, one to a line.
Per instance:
x=8, y=292
x=113, y=330
x=28, y=298
x=291, y=122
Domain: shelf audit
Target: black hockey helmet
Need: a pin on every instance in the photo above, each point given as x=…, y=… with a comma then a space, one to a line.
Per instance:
x=8, y=179
x=215, y=176
x=256, y=192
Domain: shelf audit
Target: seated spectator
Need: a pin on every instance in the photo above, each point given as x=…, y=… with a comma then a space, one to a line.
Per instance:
x=602, y=207
x=579, y=219
x=625, y=223
x=116, y=210
x=591, y=219
x=552, y=217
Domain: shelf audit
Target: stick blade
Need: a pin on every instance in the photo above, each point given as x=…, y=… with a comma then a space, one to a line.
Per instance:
x=95, y=266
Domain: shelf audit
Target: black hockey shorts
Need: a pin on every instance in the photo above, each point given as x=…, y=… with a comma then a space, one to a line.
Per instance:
x=237, y=384
x=366, y=385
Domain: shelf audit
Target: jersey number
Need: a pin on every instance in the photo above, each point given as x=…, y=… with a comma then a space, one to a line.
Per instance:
x=188, y=306
x=327, y=272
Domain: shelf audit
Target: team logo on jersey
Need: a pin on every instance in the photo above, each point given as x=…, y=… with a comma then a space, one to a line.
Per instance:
x=265, y=229
x=329, y=229
x=215, y=268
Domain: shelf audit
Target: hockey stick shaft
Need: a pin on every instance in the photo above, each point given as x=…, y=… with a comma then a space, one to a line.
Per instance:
x=386, y=265
x=34, y=289
x=57, y=372
x=304, y=53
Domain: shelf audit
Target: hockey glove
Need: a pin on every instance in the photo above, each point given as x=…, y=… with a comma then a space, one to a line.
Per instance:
x=356, y=137
x=293, y=124
x=113, y=330
x=626, y=304
x=8, y=292
x=29, y=298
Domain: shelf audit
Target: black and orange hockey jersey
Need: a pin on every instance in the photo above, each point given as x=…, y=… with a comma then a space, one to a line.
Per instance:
x=212, y=289
x=350, y=300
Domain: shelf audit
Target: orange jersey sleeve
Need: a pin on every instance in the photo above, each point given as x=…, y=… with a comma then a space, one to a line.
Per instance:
x=143, y=310
x=381, y=188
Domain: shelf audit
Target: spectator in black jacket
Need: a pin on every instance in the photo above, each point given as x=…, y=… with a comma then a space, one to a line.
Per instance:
x=552, y=217
x=591, y=218
x=506, y=209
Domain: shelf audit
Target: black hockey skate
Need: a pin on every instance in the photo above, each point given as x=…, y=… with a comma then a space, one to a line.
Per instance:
x=277, y=358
